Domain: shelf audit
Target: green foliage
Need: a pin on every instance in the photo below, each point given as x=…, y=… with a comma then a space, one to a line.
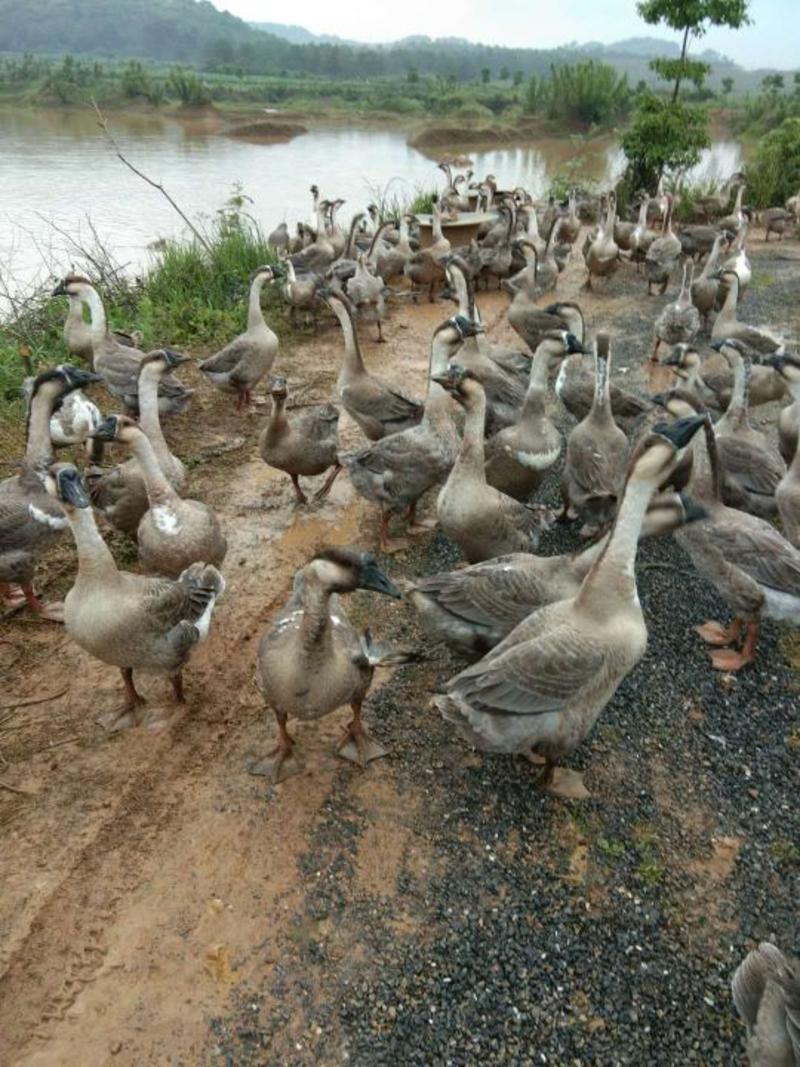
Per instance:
x=774, y=174
x=588, y=92
x=662, y=136
x=727, y=86
x=695, y=15
x=678, y=70
x=188, y=87
x=486, y=76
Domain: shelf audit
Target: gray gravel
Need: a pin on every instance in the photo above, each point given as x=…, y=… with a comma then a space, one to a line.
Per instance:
x=543, y=932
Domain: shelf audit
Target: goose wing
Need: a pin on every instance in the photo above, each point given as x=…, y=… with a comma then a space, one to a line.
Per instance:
x=758, y=469
x=227, y=358
x=757, y=549
x=488, y=592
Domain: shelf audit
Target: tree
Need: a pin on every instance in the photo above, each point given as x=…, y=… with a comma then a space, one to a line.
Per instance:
x=486, y=75
x=693, y=18
x=519, y=77
x=772, y=84
x=505, y=74
x=774, y=174
x=412, y=75
x=727, y=86
x=664, y=135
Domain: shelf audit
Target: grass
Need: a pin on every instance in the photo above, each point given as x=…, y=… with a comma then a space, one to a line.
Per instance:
x=190, y=295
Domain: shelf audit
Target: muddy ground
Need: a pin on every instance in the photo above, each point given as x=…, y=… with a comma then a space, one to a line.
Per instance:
x=159, y=905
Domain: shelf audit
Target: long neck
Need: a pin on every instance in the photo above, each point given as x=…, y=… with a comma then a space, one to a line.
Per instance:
x=98, y=313
x=351, y=236
x=731, y=299
x=94, y=557
x=277, y=421
x=536, y=394
x=75, y=312
x=149, y=419
x=471, y=455
x=737, y=407
x=39, y=447
x=713, y=256
x=255, y=317
x=462, y=292
x=159, y=491
x=601, y=404
x=533, y=224
x=705, y=482
x=353, y=361
x=642, y=223
x=436, y=225
x=316, y=609
x=613, y=571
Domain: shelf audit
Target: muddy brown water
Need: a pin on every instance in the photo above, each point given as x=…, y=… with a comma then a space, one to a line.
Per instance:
x=147, y=881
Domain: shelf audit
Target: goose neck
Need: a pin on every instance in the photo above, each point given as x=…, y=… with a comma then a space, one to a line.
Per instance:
x=97, y=312
x=255, y=317
x=159, y=491
x=471, y=455
x=39, y=447
x=353, y=360
x=149, y=418
x=95, y=560
x=613, y=573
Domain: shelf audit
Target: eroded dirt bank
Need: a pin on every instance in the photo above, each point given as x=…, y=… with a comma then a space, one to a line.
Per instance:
x=159, y=905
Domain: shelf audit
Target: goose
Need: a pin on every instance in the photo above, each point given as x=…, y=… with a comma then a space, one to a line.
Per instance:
x=497, y=257
x=73, y=421
x=377, y=407
x=752, y=567
x=766, y=993
x=531, y=322
x=241, y=364
x=128, y=620
x=776, y=220
x=279, y=238
x=574, y=384
x=389, y=260
x=736, y=220
x=120, y=493
x=307, y=445
x=30, y=520
x=712, y=205
x=547, y=269
x=727, y=327
x=519, y=457
x=787, y=498
x=334, y=232
x=570, y=223
x=597, y=451
x=365, y=292
x=318, y=256
x=698, y=241
x=396, y=471
x=424, y=268
x=299, y=292
x=711, y=377
x=540, y=691
x=78, y=332
x=679, y=321
x=602, y=253
x=118, y=364
x=641, y=236
x=311, y=660
x=531, y=233
x=705, y=287
x=174, y=532
x=663, y=253
x=481, y=520
x=787, y=367
x=473, y=608
x=739, y=262
x=793, y=206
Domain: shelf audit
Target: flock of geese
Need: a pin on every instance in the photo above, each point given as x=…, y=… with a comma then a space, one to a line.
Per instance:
x=550, y=638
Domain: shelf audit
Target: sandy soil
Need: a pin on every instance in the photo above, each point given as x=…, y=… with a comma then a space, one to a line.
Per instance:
x=153, y=893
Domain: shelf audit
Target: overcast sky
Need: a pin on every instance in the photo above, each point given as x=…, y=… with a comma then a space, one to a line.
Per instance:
x=773, y=40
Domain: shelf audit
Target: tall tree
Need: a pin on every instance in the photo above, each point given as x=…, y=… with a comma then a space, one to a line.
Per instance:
x=692, y=18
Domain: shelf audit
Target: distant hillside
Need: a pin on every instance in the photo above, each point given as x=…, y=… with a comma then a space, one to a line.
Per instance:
x=194, y=32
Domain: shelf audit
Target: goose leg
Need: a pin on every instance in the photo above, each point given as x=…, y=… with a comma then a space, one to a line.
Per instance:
x=54, y=611
x=728, y=659
x=561, y=782
x=326, y=488
x=654, y=354
x=388, y=543
x=357, y=745
x=280, y=764
x=299, y=495
x=381, y=339
x=177, y=688
x=11, y=595
x=713, y=633
x=415, y=526
x=130, y=713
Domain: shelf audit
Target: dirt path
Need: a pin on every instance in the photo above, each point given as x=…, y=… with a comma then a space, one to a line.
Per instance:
x=160, y=905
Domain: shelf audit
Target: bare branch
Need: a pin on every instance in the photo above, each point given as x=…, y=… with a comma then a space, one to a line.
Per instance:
x=103, y=124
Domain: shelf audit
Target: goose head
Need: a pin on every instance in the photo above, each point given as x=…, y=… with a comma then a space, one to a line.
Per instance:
x=658, y=452
x=558, y=344
x=117, y=428
x=278, y=388
x=461, y=384
x=667, y=512
x=570, y=313
x=787, y=364
x=679, y=403
x=162, y=361
x=57, y=381
x=732, y=350
x=264, y=274
x=683, y=357
x=73, y=286
x=342, y=570
x=64, y=482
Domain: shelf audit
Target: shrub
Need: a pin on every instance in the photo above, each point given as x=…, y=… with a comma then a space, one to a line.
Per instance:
x=774, y=174
x=663, y=135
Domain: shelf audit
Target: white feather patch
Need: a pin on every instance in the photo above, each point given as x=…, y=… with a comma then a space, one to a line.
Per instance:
x=165, y=519
x=55, y=522
x=536, y=461
x=783, y=606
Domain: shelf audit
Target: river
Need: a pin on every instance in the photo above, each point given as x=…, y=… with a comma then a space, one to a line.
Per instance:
x=58, y=171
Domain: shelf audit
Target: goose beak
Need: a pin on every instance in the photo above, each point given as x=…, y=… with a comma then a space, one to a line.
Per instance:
x=673, y=359
x=718, y=345
x=776, y=361
x=680, y=432
x=574, y=346
x=693, y=510
x=71, y=488
x=59, y=290
x=107, y=430
x=370, y=576
x=78, y=377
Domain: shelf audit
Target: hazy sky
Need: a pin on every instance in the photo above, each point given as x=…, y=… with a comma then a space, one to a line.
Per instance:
x=773, y=40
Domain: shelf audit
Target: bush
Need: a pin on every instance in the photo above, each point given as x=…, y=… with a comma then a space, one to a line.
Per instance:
x=774, y=174
x=589, y=92
x=663, y=135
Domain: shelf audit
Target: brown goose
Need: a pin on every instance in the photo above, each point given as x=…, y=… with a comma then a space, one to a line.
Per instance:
x=532, y=322
x=712, y=379
x=766, y=992
x=663, y=253
x=31, y=522
x=78, y=332
x=305, y=446
x=541, y=690
x=787, y=367
x=519, y=457
x=602, y=253
x=704, y=288
x=727, y=327
x=678, y=322
x=377, y=407
x=753, y=568
x=597, y=451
